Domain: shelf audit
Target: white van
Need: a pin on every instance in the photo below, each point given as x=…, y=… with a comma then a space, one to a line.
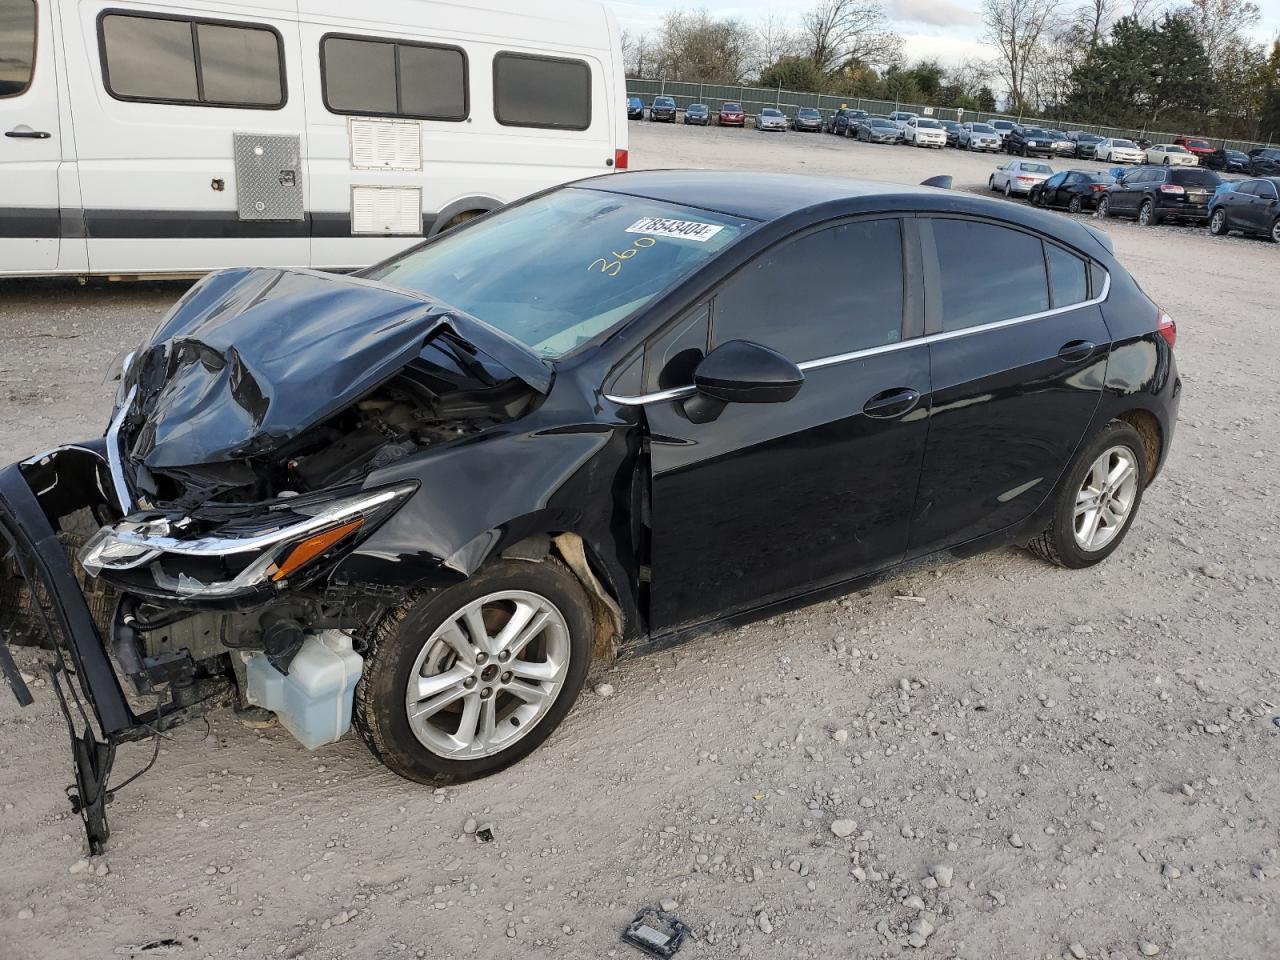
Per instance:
x=152, y=137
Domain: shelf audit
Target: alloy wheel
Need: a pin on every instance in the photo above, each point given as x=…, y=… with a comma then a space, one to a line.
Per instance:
x=1218, y=223
x=488, y=675
x=1075, y=206
x=1275, y=232
x=1106, y=498
x=1144, y=214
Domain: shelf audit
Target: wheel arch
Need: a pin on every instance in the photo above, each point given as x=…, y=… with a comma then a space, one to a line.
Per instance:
x=477, y=206
x=1149, y=429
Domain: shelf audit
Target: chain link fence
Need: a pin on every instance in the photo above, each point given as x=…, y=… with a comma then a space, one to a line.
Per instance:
x=753, y=99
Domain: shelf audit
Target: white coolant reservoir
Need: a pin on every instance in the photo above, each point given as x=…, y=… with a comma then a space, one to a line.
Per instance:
x=314, y=701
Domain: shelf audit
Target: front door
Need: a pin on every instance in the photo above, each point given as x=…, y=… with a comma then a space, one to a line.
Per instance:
x=1017, y=365
x=770, y=500
x=30, y=139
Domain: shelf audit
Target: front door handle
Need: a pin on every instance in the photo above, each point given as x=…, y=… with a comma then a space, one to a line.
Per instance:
x=891, y=403
x=26, y=133
x=1077, y=350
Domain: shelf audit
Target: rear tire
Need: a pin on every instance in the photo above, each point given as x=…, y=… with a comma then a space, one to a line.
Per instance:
x=1147, y=214
x=1109, y=471
x=409, y=643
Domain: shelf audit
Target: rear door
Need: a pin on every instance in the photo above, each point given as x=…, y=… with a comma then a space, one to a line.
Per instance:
x=1017, y=355
x=770, y=500
x=31, y=145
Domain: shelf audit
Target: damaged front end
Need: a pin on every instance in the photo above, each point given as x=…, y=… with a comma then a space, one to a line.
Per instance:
x=219, y=543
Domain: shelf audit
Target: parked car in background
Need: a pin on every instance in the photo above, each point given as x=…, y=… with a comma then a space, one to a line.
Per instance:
x=1084, y=143
x=635, y=108
x=1003, y=128
x=1029, y=142
x=1019, y=176
x=1063, y=146
x=924, y=132
x=731, y=115
x=844, y=119
x=953, y=132
x=771, y=118
x=1118, y=150
x=1264, y=162
x=1253, y=207
x=1171, y=155
x=979, y=136
x=878, y=130
x=1226, y=161
x=1197, y=146
x=663, y=109
x=1073, y=190
x=697, y=114
x=807, y=120
x=1154, y=194
x=900, y=118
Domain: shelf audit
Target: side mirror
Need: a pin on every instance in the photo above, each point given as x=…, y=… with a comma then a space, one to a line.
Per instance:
x=740, y=371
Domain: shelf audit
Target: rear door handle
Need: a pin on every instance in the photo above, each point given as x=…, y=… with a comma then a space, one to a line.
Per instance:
x=26, y=133
x=1077, y=350
x=891, y=403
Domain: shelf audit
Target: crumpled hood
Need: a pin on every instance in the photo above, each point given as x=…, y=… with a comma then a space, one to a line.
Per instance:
x=250, y=358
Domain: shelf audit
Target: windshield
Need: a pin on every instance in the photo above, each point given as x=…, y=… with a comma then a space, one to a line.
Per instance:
x=1202, y=144
x=1036, y=132
x=1127, y=144
x=633, y=102
x=808, y=112
x=696, y=108
x=882, y=123
x=1002, y=124
x=663, y=102
x=561, y=269
x=1174, y=149
x=929, y=124
x=731, y=108
x=1195, y=178
x=770, y=112
x=983, y=128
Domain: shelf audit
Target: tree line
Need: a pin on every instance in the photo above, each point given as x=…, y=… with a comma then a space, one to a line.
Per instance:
x=1153, y=64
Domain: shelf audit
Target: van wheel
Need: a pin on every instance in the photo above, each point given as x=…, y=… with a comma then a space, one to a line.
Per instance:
x=459, y=219
x=1218, y=224
x=465, y=681
x=1099, y=499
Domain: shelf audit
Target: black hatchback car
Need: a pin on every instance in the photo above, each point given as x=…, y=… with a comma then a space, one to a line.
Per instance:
x=844, y=120
x=663, y=108
x=462, y=473
x=1264, y=162
x=1073, y=190
x=1153, y=194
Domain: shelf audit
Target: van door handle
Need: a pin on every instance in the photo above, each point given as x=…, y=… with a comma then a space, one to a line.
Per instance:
x=26, y=133
x=1077, y=350
x=891, y=403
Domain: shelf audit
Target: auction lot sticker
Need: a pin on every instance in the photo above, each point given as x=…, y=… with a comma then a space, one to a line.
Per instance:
x=680, y=229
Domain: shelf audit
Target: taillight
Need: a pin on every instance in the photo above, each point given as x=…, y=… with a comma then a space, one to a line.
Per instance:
x=1171, y=188
x=1097, y=187
x=620, y=158
x=1026, y=179
x=1167, y=328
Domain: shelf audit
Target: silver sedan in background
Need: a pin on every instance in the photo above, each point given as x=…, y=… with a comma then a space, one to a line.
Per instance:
x=771, y=119
x=1018, y=176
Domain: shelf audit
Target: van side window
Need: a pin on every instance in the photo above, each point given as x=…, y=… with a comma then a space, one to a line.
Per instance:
x=549, y=92
x=366, y=76
x=161, y=59
x=17, y=46
x=971, y=293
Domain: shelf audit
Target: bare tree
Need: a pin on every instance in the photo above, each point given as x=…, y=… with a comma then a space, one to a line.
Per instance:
x=774, y=39
x=1221, y=25
x=1016, y=28
x=698, y=47
x=836, y=32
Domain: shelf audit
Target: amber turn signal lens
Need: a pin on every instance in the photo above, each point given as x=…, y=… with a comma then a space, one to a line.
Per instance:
x=312, y=547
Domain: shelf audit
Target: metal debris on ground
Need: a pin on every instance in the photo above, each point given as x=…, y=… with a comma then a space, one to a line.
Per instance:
x=656, y=932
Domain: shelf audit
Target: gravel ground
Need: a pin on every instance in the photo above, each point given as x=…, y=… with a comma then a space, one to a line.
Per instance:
x=992, y=759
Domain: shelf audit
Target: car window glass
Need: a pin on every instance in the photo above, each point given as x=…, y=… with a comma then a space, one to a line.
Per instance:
x=1193, y=177
x=530, y=91
x=1267, y=190
x=1248, y=189
x=848, y=277
x=670, y=357
x=150, y=58
x=972, y=292
x=17, y=45
x=1068, y=277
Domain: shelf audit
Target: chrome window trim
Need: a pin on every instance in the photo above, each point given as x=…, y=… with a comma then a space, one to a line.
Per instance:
x=677, y=393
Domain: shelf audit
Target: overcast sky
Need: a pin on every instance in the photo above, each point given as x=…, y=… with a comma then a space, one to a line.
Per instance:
x=949, y=30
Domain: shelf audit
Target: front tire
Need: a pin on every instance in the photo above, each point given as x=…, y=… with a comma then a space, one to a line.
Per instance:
x=1104, y=208
x=1099, y=499
x=1075, y=206
x=465, y=681
x=1275, y=231
x=1218, y=223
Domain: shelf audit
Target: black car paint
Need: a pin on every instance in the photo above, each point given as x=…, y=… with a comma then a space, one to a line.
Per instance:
x=844, y=120
x=1029, y=142
x=1264, y=162
x=643, y=486
x=663, y=109
x=1226, y=161
x=635, y=108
